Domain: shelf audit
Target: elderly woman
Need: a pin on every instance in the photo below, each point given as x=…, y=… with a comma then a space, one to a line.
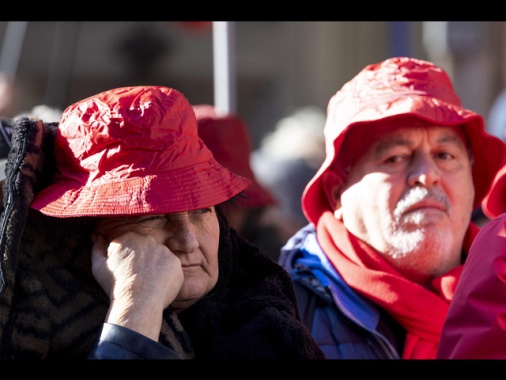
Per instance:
x=124, y=251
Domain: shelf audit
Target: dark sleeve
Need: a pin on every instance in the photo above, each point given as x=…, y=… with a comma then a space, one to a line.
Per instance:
x=117, y=342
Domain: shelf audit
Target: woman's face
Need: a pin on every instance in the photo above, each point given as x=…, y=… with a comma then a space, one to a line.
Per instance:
x=193, y=236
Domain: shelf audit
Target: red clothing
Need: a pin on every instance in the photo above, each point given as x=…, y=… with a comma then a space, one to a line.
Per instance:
x=475, y=326
x=419, y=310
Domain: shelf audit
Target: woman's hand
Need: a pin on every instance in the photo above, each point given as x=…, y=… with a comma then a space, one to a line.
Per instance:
x=141, y=277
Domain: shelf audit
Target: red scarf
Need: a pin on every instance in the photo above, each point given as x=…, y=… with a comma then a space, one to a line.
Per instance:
x=419, y=310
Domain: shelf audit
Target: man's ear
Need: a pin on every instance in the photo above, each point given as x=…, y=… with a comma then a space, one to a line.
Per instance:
x=332, y=186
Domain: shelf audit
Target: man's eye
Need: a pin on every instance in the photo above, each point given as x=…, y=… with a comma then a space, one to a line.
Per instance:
x=394, y=159
x=445, y=155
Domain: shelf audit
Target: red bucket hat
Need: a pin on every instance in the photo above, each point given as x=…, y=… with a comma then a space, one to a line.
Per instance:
x=227, y=137
x=396, y=88
x=133, y=151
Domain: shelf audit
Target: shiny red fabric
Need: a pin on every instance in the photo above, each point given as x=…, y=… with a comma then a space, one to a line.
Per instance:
x=475, y=327
x=228, y=138
x=131, y=151
x=396, y=88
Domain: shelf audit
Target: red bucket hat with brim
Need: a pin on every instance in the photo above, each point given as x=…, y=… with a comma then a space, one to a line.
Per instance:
x=396, y=88
x=228, y=139
x=133, y=151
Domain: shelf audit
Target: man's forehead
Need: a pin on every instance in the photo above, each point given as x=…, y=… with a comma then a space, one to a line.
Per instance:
x=361, y=138
x=442, y=133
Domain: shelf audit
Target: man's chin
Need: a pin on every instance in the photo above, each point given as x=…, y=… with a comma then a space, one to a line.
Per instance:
x=423, y=219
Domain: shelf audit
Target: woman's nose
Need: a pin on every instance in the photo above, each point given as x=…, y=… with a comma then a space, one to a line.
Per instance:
x=181, y=237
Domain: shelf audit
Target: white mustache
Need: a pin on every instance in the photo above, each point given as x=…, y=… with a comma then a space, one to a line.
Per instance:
x=416, y=195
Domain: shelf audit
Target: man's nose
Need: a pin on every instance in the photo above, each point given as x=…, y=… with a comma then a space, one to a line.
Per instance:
x=423, y=172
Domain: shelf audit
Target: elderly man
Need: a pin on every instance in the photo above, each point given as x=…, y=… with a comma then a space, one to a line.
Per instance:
x=390, y=212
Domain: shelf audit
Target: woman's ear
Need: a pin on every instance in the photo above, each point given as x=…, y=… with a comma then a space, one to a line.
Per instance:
x=332, y=185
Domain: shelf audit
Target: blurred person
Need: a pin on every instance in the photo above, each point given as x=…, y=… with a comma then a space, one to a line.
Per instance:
x=390, y=212
x=228, y=138
x=114, y=243
x=47, y=113
x=475, y=327
x=7, y=94
x=285, y=161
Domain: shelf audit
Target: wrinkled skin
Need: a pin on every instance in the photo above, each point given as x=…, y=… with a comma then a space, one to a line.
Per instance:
x=410, y=196
x=146, y=263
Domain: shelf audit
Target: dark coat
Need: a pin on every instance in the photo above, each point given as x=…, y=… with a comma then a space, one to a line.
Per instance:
x=51, y=306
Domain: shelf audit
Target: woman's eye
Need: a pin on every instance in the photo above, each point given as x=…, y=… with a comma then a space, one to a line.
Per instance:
x=201, y=211
x=150, y=218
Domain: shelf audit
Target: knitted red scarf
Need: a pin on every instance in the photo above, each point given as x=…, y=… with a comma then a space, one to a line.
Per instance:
x=419, y=310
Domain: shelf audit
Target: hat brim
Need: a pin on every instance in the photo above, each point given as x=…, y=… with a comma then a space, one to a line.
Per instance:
x=152, y=194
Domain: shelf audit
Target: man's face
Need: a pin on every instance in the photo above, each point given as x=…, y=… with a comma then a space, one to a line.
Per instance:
x=410, y=196
x=192, y=236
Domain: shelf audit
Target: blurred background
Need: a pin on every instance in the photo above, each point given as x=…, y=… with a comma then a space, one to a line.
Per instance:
x=278, y=76
x=277, y=67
